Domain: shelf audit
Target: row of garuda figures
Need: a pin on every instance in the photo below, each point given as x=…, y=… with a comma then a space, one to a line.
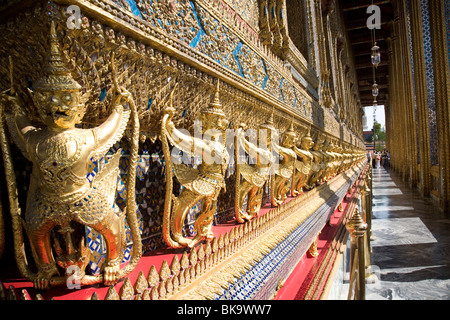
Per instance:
x=59, y=193
x=258, y=161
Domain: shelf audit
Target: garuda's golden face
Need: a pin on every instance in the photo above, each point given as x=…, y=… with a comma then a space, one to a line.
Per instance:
x=289, y=140
x=214, y=122
x=59, y=109
x=307, y=144
x=317, y=146
x=222, y=123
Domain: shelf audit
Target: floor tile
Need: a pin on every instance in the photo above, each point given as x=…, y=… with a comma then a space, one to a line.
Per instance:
x=386, y=191
x=400, y=231
x=378, y=208
x=410, y=256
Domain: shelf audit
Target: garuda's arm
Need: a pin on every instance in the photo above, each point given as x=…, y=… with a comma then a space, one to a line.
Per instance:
x=299, y=153
x=18, y=123
x=182, y=140
x=263, y=155
x=112, y=130
x=304, y=155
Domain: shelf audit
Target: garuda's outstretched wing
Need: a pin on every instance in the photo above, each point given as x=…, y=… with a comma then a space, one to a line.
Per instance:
x=302, y=167
x=192, y=179
x=253, y=175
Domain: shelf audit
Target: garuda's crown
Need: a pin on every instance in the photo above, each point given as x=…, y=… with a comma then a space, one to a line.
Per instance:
x=291, y=130
x=215, y=106
x=307, y=137
x=56, y=76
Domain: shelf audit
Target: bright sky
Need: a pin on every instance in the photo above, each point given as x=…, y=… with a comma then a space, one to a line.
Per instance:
x=379, y=115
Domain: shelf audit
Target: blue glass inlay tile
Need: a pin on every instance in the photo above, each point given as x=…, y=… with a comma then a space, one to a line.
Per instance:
x=134, y=8
x=102, y=94
x=201, y=32
x=429, y=73
x=266, y=78
x=447, y=19
x=235, y=54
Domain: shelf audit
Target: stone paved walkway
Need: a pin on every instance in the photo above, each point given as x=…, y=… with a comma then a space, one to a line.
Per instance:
x=411, y=250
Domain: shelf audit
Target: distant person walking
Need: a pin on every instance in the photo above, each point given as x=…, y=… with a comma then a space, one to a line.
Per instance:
x=387, y=162
x=377, y=161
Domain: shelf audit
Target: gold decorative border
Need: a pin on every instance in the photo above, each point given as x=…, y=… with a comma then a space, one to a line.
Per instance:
x=120, y=19
x=208, y=270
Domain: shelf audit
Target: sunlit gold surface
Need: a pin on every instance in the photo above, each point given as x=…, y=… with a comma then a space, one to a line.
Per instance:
x=280, y=180
x=59, y=192
x=202, y=183
x=303, y=165
x=254, y=175
x=150, y=59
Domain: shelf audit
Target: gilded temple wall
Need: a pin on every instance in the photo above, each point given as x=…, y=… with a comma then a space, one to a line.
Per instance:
x=192, y=43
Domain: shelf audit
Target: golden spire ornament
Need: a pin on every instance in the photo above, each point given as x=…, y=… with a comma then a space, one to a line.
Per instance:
x=56, y=75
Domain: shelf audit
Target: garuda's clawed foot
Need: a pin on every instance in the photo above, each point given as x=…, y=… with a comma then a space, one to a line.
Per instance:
x=44, y=275
x=111, y=273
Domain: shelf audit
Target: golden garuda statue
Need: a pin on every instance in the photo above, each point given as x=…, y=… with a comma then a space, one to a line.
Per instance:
x=254, y=175
x=328, y=158
x=337, y=159
x=303, y=165
x=340, y=158
x=347, y=158
x=332, y=159
x=319, y=165
x=203, y=183
x=280, y=180
x=59, y=193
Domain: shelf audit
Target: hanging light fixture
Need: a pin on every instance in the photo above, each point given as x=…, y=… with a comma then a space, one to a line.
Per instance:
x=375, y=90
x=375, y=56
x=375, y=59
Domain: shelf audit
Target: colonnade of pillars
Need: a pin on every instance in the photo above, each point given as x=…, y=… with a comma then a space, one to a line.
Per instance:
x=408, y=108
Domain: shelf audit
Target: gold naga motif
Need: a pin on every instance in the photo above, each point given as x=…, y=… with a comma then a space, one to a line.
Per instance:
x=254, y=176
x=303, y=165
x=280, y=180
x=59, y=193
x=199, y=184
